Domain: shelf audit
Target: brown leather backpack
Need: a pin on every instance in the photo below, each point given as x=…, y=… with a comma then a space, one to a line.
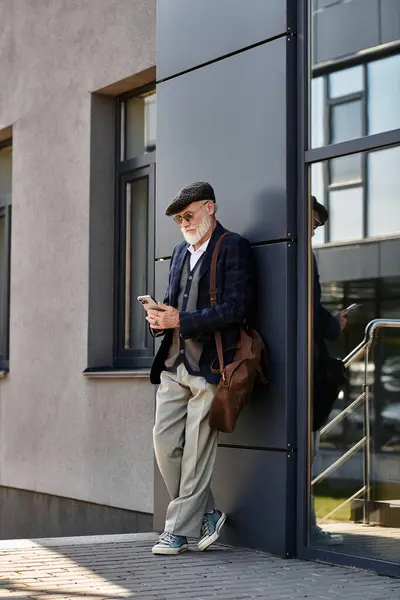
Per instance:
x=238, y=378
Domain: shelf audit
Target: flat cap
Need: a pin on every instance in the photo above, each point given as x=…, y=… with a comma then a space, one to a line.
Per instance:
x=200, y=190
x=321, y=210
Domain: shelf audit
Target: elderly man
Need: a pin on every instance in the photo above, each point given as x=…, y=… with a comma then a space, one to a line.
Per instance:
x=185, y=446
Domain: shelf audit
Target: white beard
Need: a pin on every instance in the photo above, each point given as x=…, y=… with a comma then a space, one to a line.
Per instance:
x=201, y=230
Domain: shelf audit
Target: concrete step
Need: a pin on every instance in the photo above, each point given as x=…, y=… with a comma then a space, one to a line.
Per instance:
x=385, y=513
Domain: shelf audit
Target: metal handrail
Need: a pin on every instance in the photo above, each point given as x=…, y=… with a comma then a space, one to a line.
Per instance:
x=353, y=497
x=362, y=350
x=339, y=418
x=340, y=461
x=369, y=338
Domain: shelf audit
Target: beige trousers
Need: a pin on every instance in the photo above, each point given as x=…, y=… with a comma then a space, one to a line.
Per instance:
x=185, y=448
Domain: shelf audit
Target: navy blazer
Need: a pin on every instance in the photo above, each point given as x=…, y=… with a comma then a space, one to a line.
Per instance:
x=235, y=285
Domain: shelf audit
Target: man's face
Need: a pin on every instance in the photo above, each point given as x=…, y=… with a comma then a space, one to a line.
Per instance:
x=196, y=220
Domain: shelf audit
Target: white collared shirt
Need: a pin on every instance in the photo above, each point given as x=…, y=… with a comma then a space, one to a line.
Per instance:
x=195, y=255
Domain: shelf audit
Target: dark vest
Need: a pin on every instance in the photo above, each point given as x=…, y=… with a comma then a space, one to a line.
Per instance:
x=186, y=351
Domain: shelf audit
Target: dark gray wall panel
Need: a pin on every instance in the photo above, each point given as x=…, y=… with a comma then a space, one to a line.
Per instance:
x=390, y=20
x=344, y=263
x=345, y=28
x=226, y=123
x=265, y=421
x=251, y=487
x=190, y=33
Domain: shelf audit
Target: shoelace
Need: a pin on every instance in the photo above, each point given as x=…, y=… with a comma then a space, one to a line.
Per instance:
x=170, y=538
x=208, y=525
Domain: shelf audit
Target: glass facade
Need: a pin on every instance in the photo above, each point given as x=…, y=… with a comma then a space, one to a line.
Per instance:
x=354, y=456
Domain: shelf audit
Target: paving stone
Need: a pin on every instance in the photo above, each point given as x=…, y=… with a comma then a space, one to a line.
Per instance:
x=114, y=567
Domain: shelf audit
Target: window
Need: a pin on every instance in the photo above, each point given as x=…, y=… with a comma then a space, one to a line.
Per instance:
x=133, y=344
x=346, y=169
x=318, y=110
x=358, y=207
x=317, y=189
x=356, y=101
x=383, y=192
x=346, y=214
x=346, y=82
x=140, y=125
x=346, y=121
x=5, y=238
x=384, y=94
x=359, y=189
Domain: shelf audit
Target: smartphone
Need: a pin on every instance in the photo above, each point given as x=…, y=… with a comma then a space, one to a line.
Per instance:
x=149, y=303
x=352, y=307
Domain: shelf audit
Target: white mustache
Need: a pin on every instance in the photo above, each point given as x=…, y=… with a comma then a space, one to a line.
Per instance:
x=200, y=231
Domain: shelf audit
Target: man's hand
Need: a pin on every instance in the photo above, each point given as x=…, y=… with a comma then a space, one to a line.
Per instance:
x=342, y=316
x=167, y=318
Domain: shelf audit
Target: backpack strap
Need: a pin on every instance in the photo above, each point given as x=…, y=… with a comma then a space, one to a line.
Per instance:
x=213, y=298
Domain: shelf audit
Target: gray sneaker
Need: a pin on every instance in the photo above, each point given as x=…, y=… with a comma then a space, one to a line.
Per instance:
x=211, y=528
x=319, y=536
x=170, y=543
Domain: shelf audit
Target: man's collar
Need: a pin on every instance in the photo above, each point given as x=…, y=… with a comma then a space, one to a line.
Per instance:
x=202, y=248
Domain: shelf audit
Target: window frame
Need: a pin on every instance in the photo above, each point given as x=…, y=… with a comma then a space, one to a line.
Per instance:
x=128, y=170
x=6, y=213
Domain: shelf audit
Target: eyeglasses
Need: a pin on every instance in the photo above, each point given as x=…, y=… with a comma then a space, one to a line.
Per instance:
x=189, y=215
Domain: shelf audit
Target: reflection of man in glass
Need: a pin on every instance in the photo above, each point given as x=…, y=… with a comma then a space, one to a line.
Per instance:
x=327, y=327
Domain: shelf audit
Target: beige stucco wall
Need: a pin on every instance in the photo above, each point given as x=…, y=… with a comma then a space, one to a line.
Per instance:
x=59, y=432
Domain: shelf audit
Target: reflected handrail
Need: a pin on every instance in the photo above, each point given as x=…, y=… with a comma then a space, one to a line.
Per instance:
x=358, y=352
x=368, y=340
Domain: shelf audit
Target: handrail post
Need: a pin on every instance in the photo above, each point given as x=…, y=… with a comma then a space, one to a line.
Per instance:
x=367, y=447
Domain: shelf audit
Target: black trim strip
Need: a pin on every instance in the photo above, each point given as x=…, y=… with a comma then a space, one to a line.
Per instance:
x=377, y=141
x=287, y=240
x=260, y=448
x=228, y=55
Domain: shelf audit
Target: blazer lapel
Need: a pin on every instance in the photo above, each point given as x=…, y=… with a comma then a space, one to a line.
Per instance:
x=206, y=262
x=177, y=266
